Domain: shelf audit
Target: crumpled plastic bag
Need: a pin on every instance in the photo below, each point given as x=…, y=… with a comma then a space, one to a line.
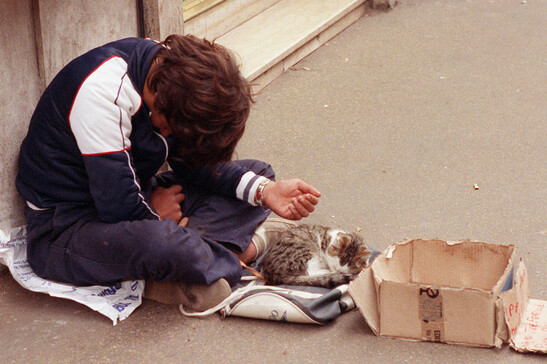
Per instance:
x=115, y=302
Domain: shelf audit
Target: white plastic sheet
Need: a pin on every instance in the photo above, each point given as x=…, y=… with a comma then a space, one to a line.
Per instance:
x=115, y=302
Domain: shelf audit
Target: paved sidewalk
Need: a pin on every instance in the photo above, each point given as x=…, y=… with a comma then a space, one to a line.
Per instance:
x=395, y=120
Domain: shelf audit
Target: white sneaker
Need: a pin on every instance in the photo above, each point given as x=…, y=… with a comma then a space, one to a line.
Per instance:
x=265, y=233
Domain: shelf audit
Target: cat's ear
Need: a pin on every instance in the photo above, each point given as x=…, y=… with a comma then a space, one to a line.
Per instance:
x=363, y=250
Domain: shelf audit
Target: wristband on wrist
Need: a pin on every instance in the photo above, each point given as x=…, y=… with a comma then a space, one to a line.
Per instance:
x=259, y=195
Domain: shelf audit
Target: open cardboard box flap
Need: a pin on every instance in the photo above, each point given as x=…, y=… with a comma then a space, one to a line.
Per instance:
x=452, y=292
x=526, y=318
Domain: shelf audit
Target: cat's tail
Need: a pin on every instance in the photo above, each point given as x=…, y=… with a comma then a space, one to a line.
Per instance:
x=327, y=280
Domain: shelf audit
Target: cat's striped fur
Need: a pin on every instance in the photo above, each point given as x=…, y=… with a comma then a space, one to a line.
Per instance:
x=313, y=255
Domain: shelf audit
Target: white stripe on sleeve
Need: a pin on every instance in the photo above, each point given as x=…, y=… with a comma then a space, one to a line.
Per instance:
x=100, y=117
x=240, y=190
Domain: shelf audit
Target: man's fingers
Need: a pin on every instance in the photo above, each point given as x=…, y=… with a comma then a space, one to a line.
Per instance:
x=295, y=214
x=183, y=222
x=179, y=197
x=302, y=211
x=305, y=202
x=175, y=188
x=311, y=199
x=307, y=188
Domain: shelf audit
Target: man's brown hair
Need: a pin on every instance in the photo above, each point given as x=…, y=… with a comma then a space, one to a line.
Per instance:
x=204, y=97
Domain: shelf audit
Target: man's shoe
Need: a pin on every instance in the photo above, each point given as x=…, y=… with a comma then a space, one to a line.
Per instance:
x=193, y=297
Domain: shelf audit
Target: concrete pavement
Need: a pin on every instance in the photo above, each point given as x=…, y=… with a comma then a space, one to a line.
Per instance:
x=395, y=120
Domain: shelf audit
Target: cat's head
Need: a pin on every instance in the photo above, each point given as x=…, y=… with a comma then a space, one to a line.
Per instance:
x=350, y=250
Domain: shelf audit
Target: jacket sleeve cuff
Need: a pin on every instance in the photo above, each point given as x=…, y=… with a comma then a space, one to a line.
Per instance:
x=246, y=189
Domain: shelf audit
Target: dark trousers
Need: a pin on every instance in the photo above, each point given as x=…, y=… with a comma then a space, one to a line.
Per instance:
x=71, y=244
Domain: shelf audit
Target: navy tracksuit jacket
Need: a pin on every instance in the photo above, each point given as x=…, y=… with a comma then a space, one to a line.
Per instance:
x=91, y=146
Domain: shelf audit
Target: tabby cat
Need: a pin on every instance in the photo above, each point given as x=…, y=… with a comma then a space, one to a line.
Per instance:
x=313, y=255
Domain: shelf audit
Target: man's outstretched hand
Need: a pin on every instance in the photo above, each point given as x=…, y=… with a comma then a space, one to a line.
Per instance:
x=291, y=199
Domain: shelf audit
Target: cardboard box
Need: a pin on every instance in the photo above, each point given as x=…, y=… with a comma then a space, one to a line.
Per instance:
x=451, y=292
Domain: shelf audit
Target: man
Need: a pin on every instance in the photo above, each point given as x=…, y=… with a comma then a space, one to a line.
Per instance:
x=97, y=212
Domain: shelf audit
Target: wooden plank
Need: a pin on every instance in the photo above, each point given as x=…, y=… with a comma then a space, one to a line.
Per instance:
x=282, y=29
x=224, y=17
x=191, y=9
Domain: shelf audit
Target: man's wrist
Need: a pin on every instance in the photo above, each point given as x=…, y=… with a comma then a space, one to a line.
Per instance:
x=260, y=191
